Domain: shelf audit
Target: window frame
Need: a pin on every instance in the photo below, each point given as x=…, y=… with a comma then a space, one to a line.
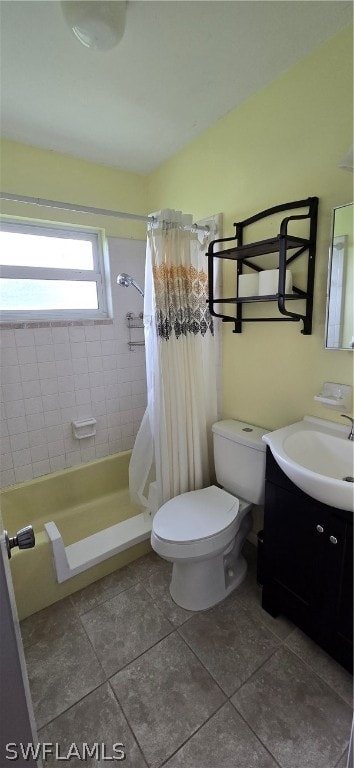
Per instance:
x=99, y=273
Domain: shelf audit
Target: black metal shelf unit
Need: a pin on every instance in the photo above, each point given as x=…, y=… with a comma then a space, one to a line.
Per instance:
x=287, y=247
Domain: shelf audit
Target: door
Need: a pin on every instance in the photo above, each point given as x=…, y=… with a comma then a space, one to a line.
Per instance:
x=294, y=549
x=17, y=724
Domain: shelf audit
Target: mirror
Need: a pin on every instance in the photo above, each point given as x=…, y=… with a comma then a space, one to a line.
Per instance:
x=340, y=287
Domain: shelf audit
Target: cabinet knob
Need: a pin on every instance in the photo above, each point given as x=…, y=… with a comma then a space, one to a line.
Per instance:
x=319, y=528
x=333, y=540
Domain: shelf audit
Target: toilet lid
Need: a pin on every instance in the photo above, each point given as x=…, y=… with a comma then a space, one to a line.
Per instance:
x=195, y=515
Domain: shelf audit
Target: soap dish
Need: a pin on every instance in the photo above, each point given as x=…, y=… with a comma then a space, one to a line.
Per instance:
x=83, y=429
x=336, y=396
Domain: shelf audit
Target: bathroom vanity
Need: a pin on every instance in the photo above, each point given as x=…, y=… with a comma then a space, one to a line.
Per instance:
x=308, y=564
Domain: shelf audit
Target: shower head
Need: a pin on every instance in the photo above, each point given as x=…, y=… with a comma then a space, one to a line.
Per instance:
x=126, y=280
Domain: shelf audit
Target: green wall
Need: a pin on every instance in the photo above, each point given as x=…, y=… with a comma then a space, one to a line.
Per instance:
x=42, y=173
x=283, y=144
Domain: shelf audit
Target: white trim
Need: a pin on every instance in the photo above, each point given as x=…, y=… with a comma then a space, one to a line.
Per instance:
x=96, y=275
x=85, y=553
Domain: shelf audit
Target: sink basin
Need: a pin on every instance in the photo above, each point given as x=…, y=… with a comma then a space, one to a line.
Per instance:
x=318, y=457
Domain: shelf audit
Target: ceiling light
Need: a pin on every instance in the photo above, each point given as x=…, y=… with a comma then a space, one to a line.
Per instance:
x=97, y=25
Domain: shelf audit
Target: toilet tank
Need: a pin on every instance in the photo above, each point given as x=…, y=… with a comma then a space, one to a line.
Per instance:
x=239, y=456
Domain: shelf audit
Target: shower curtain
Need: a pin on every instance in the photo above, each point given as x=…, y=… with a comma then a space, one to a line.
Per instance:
x=173, y=444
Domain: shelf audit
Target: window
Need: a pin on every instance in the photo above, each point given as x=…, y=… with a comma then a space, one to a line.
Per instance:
x=49, y=272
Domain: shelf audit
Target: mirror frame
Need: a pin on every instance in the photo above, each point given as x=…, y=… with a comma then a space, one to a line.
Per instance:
x=329, y=278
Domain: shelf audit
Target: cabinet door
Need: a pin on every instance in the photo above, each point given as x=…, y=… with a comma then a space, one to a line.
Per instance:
x=295, y=533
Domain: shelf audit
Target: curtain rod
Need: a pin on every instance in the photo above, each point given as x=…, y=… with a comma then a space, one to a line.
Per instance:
x=86, y=209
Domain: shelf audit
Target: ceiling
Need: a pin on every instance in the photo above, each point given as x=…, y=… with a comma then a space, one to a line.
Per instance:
x=179, y=68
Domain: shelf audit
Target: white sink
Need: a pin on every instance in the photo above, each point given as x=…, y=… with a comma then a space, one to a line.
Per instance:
x=317, y=455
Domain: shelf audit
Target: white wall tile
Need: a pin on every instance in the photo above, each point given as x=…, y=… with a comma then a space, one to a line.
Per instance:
x=97, y=394
x=64, y=368
x=95, y=364
x=5, y=445
x=33, y=405
x=35, y=421
x=19, y=441
x=94, y=348
x=14, y=408
x=41, y=468
x=92, y=333
x=21, y=458
x=7, y=461
x=62, y=351
x=37, y=437
x=60, y=335
x=67, y=399
x=102, y=450
x=49, y=386
x=8, y=338
x=24, y=337
x=109, y=363
x=39, y=452
x=10, y=374
x=45, y=353
x=76, y=333
x=17, y=425
x=73, y=458
x=26, y=355
x=66, y=384
x=24, y=474
x=12, y=391
x=29, y=372
x=42, y=336
x=56, y=449
x=7, y=477
x=80, y=365
x=31, y=388
x=54, y=433
x=52, y=418
x=83, y=396
x=57, y=463
x=88, y=454
x=8, y=355
x=78, y=349
x=50, y=403
x=100, y=408
x=47, y=370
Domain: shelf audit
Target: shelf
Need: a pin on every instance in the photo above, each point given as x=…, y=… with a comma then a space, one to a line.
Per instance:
x=261, y=248
x=287, y=247
x=261, y=299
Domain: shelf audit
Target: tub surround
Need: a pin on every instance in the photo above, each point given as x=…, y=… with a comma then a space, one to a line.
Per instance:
x=54, y=374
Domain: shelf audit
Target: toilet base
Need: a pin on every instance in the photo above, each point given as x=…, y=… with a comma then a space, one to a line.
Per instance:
x=199, y=585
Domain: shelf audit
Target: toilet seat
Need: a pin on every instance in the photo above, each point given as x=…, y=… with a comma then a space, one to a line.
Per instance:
x=196, y=515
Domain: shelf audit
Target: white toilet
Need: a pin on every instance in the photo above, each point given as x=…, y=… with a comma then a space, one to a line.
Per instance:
x=202, y=532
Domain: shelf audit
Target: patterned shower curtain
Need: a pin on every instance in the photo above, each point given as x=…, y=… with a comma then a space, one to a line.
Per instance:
x=173, y=444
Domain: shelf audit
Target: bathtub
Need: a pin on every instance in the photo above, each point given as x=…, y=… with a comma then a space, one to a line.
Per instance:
x=85, y=504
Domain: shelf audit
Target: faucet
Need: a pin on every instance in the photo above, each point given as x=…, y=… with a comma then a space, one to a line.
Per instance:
x=351, y=433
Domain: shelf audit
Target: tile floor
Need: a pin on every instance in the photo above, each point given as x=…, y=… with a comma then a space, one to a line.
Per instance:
x=231, y=687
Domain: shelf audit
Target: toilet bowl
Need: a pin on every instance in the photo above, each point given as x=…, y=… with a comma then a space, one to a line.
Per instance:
x=202, y=532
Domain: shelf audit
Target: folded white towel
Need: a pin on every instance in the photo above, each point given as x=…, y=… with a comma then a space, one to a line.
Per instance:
x=268, y=282
x=248, y=285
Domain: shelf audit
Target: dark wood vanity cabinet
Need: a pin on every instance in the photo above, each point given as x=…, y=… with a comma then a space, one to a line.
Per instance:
x=308, y=564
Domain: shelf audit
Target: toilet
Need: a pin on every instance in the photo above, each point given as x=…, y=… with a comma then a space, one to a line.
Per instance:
x=202, y=532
